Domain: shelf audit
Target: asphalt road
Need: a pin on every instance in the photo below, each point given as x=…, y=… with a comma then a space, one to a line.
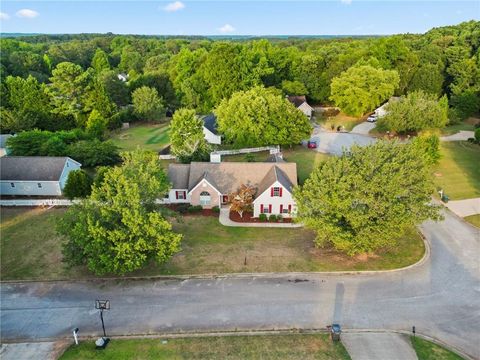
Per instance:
x=441, y=298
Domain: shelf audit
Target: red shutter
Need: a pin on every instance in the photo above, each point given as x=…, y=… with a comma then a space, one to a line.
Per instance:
x=281, y=209
x=281, y=191
x=270, y=208
x=176, y=195
x=271, y=192
x=289, y=209
x=184, y=195
x=261, y=208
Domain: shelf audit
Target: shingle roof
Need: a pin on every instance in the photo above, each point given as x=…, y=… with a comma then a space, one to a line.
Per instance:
x=274, y=174
x=297, y=100
x=228, y=176
x=32, y=168
x=178, y=175
x=210, y=122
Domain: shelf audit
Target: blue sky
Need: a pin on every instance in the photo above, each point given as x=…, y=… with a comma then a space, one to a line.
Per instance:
x=195, y=17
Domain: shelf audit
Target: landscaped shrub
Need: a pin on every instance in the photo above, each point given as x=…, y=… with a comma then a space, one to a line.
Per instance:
x=216, y=209
x=262, y=217
x=194, y=208
x=330, y=112
x=272, y=218
x=182, y=208
x=477, y=135
x=280, y=218
x=78, y=185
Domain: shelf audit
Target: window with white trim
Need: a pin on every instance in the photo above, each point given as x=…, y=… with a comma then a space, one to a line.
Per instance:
x=276, y=191
x=39, y=185
x=266, y=209
x=12, y=185
x=285, y=210
x=181, y=195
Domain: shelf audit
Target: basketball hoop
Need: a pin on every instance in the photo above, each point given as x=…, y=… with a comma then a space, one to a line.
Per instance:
x=102, y=304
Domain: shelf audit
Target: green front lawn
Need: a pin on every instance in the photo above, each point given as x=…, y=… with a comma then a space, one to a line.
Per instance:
x=152, y=137
x=473, y=219
x=348, y=122
x=301, y=347
x=458, y=172
x=306, y=159
x=31, y=249
x=427, y=350
x=466, y=125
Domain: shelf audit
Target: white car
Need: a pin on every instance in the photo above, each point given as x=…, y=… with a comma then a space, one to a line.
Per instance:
x=372, y=118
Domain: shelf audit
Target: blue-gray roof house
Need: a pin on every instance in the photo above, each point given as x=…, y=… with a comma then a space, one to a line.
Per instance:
x=210, y=129
x=35, y=175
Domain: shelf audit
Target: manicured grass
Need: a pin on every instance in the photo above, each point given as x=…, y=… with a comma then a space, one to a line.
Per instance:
x=474, y=220
x=255, y=157
x=306, y=159
x=427, y=350
x=31, y=249
x=300, y=347
x=467, y=125
x=147, y=136
x=458, y=173
x=348, y=122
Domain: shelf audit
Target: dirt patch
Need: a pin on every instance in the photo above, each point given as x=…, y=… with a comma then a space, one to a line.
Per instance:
x=248, y=218
x=472, y=121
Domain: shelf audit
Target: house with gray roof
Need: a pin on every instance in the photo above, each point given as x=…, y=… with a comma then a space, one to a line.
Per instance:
x=35, y=175
x=210, y=129
x=300, y=102
x=210, y=184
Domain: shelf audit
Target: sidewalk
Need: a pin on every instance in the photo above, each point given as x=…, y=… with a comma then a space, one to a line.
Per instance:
x=225, y=220
x=464, y=208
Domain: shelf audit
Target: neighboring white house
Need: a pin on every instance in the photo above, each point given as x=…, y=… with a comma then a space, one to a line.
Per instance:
x=122, y=77
x=210, y=130
x=35, y=175
x=381, y=110
x=3, y=143
x=210, y=184
x=301, y=104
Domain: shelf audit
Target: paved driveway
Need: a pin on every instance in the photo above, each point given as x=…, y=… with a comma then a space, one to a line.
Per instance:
x=378, y=346
x=335, y=142
x=461, y=135
x=440, y=297
x=465, y=207
x=363, y=128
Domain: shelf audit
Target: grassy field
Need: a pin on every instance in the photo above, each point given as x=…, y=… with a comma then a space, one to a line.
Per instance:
x=458, y=173
x=301, y=347
x=148, y=136
x=474, y=220
x=306, y=159
x=467, y=125
x=31, y=249
x=427, y=350
x=348, y=122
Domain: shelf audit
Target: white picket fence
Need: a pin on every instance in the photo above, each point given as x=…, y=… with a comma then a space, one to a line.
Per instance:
x=37, y=202
x=216, y=156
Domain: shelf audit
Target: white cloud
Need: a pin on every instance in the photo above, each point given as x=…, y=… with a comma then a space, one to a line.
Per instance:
x=227, y=28
x=174, y=6
x=348, y=2
x=4, y=16
x=27, y=13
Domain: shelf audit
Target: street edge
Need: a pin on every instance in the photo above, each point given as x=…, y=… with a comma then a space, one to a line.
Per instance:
x=425, y=257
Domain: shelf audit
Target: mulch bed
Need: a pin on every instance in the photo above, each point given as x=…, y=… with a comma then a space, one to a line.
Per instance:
x=248, y=218
x=203, y=212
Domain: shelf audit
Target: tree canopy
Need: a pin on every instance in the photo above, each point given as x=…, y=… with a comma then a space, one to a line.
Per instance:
x=415, y=112
x=117, y=229
x=147, y=104
x=361, y=201
x=259, y=117
x=363, y=88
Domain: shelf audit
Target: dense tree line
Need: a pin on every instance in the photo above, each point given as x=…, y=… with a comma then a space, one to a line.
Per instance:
x=54, y=82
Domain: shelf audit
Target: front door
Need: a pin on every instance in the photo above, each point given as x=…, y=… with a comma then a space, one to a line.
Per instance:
x=205, y=198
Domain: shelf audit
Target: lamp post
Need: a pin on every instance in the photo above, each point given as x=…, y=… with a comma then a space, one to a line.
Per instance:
x=101, y=305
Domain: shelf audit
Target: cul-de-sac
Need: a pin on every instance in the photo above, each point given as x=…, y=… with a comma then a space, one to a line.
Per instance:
x=240, y=180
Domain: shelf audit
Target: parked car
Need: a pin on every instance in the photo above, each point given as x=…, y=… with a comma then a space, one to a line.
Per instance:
x=312, y=145
x=372, y=118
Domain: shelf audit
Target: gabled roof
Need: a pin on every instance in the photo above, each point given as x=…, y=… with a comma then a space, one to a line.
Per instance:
x=32, y=168
x=273, y=175
x=297, y=100
x=227, y=177
x=210, y=123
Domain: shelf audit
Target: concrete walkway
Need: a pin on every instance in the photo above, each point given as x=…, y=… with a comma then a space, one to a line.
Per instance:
x=225, y=220
x=363, y=128
x=378, y=346
x=461, y=135
x=464, y=208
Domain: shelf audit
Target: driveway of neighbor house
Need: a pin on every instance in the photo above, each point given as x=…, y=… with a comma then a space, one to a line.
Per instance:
x=465, y=207
x=34, y=350
x=439, y=296
x=461, y=135
x=363, y=128
x=224, y=219
x=335, y=142
x=378, y=346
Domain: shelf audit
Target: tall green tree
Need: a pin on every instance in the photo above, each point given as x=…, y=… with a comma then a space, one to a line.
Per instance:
x=78, y=185
x=96, y=124
x=147, y=104
x=415, y=112
x=261, y=117
x=294, y=88
x=117, y=229
x=186, y=136
x=363, y=200
x=363, y=88
x=100, y=61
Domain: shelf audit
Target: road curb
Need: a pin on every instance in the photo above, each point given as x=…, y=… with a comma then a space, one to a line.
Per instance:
x=425, y=257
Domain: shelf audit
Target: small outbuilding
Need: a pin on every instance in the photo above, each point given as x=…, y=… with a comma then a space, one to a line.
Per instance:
x=210, y=129
x=35, y=175
x=300, y=102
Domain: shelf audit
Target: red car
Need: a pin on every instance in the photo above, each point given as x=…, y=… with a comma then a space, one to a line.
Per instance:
x=312, y=145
